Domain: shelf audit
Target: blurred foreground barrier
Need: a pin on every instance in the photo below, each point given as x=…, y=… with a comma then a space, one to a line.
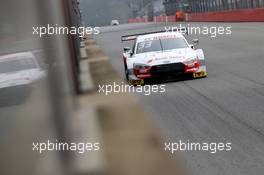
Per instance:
x=243, y=15
x=85, y=129
x=131, y=143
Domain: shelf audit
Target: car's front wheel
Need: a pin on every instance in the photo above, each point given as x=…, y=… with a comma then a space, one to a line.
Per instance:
x=126, y=75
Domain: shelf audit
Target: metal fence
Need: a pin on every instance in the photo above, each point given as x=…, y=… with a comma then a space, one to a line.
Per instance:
x=221, y=5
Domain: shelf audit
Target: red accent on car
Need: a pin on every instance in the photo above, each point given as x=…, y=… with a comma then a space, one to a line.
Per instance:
x=143, y=72
x=192, y=66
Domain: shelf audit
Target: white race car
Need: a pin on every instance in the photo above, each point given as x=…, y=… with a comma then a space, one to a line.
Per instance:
x=19, y=69
x=162, y=54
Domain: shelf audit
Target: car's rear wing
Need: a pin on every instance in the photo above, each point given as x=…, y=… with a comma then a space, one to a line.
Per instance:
x=182, y=30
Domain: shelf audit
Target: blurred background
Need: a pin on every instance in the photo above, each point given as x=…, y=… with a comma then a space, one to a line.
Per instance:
x=105, y=11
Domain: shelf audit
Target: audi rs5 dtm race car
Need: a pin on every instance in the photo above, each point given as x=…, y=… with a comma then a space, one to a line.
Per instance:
x=161, y=54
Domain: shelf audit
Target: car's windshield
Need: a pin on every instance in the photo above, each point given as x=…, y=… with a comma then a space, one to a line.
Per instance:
x=14, y=65
x=160, y=45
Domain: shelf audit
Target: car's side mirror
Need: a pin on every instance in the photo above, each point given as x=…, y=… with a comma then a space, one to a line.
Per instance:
x=126, y=49
x=195, y=42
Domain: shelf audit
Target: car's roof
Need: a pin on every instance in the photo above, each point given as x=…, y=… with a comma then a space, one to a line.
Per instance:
x=161, y=35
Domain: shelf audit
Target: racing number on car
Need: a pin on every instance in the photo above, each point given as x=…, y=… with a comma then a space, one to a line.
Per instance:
x=144, y=45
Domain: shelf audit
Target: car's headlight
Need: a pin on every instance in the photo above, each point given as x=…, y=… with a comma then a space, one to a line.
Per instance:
x=141, y=68
x=192, y=62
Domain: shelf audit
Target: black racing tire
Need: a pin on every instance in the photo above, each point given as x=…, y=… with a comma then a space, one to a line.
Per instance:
x=126, y=75
x=126, y=72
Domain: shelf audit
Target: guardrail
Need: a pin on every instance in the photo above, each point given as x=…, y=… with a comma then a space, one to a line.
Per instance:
x=241, y=15
x=137, y=20
x=155, y=19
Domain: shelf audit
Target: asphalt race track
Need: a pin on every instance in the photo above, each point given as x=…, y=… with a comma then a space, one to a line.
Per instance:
x=227, y=106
